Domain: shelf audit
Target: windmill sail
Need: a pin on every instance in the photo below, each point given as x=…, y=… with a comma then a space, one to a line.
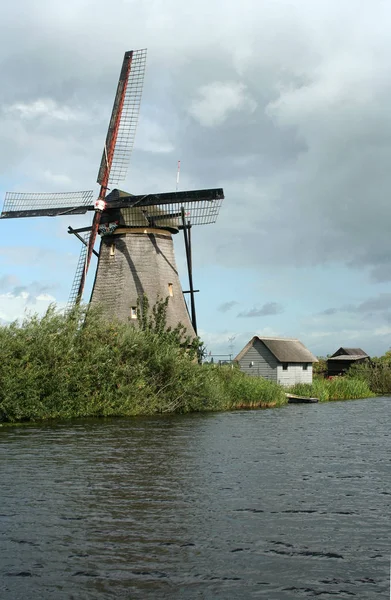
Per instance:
x=74, y=294
x=20, y=204
x=119, y=139
x=124, y=118
x=201, y=206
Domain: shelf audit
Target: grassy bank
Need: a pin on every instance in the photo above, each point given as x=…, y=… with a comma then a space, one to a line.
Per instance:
x=339, y=388
x=79, y=365
x=52, y=367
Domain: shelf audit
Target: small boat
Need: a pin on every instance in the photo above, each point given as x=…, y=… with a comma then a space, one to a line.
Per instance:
x=293, y=399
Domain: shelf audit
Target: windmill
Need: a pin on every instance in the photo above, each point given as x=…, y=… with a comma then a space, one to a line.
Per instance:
x=136, y=254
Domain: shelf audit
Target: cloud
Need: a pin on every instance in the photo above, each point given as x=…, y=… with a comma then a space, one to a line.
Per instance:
x=329, y=311
x=154, y=137
x=286, y=106
x=8, y=282
x=57, y=178
x=16, y=306
x=11, y=287
x=379, y=303
x=384, y=330
x=44, y=108
x=381, y=273
x=270, y=308
x=218, y=100
x=226, y=306
x=219, y=342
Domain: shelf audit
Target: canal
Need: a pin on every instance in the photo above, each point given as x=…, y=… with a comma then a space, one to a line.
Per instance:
x=284, y=504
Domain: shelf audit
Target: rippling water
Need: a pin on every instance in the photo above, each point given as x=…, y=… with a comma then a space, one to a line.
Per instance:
x=278, y=504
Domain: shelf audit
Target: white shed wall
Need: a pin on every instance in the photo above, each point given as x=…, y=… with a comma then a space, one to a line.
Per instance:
x=294, y=374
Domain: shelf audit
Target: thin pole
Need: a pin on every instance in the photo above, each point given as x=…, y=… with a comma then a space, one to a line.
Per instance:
x=177, y=175
x=186, y=235
x=189, y=237
x=70, y=230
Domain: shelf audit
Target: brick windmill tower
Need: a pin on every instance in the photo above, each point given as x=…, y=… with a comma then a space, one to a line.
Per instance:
x=136, y=253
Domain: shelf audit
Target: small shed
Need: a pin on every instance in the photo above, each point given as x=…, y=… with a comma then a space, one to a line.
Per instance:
x=339, y=362
x=283, y=360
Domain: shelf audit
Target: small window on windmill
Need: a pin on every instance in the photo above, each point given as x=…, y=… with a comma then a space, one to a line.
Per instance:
x=284, y=366
x=170, y=290
x=251, y=363
x=133, y=312
x=112, y=249
x=305, y=367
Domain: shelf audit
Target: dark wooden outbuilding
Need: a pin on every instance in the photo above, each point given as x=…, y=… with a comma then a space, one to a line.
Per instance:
x=343, y=359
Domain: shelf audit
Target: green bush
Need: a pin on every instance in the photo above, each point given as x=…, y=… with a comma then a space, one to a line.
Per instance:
x=320, y=368
x=376, y=374
x=78, y=365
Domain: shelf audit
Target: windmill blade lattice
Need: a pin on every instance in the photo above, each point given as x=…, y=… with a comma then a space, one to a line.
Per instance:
x=119, y=139
x=74, y=294
x=128, y=105
x=21, y=204
x=198, y=213
x=201, y=207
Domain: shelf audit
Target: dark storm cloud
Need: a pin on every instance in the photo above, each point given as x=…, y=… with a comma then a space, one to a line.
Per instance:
x=291, y=121
x=226, y=306
x=270, y=308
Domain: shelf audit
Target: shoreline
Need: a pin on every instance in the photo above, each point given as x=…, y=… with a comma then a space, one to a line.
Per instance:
x=54, y=369
x=250, y=405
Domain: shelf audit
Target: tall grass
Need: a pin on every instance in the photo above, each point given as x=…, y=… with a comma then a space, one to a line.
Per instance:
x=243, y=391
x=339, y=388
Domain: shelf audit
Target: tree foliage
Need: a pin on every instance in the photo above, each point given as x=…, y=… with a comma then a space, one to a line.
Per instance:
x=319, y=368
x=376, y=373
x=155, y=320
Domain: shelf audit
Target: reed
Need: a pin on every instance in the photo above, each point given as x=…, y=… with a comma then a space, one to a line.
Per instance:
x=338, y=388
x=243, y=391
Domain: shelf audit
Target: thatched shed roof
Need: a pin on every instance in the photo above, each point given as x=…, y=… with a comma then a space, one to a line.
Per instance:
x=348, y=354
x=284, y=349
x=348, y=357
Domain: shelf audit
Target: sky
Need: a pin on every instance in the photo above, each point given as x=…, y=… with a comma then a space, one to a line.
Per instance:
x=283, y=104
